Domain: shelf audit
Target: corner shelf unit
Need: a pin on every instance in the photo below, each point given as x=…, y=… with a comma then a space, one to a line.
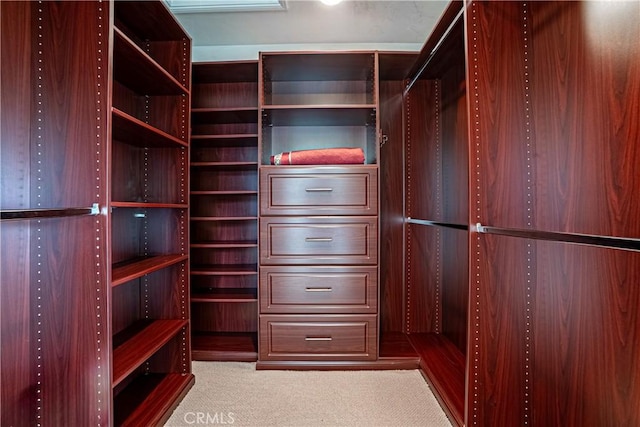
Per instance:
x=224, y=211
x=149, y=212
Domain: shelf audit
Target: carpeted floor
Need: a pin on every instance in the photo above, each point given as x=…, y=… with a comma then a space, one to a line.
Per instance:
x=234, y=393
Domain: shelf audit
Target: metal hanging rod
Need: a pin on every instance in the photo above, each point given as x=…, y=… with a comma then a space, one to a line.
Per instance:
x=21, y=214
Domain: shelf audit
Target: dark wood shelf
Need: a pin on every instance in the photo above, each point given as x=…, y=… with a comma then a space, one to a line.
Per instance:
x=220, y=192
x=225, y=72
x=396, y=345
x=224, y=115
x=135, y=69
x=224, y=218
x=136, y=350
x=150, y=399
x=129, y=130
x=225, y=346
x=224, y=270
x=128, y=270
x=149, y=205
x=249, y=137
x=242, y=295
x=226, y=244
x=239, y=165
x=444, y=366
x=327, y=115
x=318, y=66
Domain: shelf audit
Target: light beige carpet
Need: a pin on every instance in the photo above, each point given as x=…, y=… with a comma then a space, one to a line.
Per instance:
x=234, y=393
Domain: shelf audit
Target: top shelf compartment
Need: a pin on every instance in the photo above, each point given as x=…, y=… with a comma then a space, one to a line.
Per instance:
x=161, y=40
x=322, y=79
x=139, y=72
x=148, y=20
x=225, y=72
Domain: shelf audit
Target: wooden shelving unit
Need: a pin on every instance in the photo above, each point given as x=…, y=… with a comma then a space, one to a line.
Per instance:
x=149, y=213
x=318, y=222
x=106, y=212
x=224, y=213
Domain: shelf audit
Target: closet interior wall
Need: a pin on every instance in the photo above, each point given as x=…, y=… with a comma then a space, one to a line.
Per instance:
x=55, y=341
x=535, y=104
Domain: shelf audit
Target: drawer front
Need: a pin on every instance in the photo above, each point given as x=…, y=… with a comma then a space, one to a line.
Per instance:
x=318, y=290
x=319, y=191
x=325, y=337
x=347, y=240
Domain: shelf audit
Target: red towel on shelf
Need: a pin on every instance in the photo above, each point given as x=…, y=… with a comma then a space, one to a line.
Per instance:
x=327, y=156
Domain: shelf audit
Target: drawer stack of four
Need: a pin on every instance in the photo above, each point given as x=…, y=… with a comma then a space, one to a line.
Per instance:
x=319, y=256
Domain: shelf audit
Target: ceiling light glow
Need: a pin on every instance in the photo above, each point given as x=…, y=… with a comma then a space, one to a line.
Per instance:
x=330, y=2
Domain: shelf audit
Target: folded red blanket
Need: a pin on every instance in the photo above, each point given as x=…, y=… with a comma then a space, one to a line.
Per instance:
x=326, y=156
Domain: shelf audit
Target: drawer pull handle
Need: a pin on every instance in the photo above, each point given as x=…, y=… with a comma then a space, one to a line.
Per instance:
x=318, y=289
x=319, y=190
x=318, y=338
x=319, y=239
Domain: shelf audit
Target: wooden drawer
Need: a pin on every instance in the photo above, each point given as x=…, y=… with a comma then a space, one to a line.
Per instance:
x=326, y=337
x=340, y=240
x=327, y=190
x=318, y=290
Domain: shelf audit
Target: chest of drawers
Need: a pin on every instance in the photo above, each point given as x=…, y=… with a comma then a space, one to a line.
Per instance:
x=318, y=280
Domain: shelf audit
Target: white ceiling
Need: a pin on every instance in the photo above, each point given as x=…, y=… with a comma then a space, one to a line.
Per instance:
x=311, y=25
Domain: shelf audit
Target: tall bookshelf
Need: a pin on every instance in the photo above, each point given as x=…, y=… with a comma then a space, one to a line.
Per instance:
x=149, y=210
x=224, y=213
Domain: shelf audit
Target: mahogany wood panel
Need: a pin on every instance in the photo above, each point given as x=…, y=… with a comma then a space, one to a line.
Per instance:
x=228, y=178
x=394, y=66
x=577, y=139
x=555, y=155
x=423, y=280
x=226, y=94
x=311, y=289
x=231, y=148
x=586, y=299
x=586, y=64
x=132, y=182
x=392, y=208
x=568, y=347
x=225, y=316
x=319, y=190
x=423, y=151
x=15, y=100
x=225, y=256
x=224, y=206
x=225, y=229
x=325, y=337
x=52, y=158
